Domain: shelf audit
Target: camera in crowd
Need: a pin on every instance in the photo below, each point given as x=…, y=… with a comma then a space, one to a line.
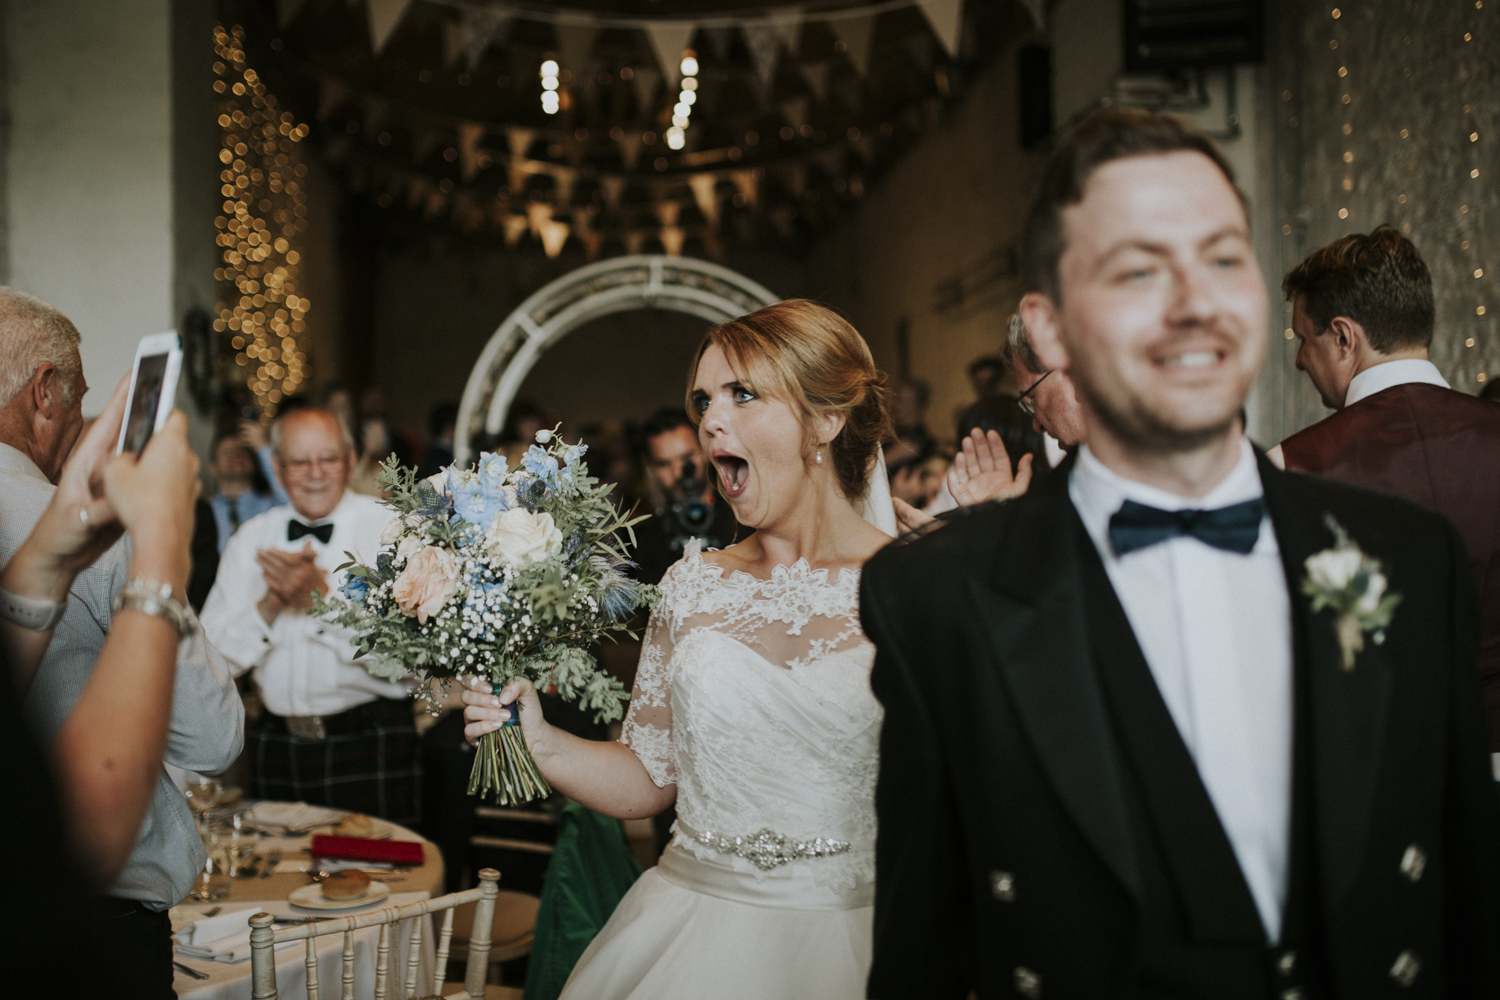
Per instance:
x=689, y=516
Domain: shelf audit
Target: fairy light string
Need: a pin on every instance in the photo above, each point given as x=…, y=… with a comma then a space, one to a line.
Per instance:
x=260, y=308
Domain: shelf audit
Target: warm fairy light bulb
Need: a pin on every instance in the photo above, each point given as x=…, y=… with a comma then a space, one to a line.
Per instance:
x=551, y=103
x=675, y=137
x=550, y=68
x=689, y=65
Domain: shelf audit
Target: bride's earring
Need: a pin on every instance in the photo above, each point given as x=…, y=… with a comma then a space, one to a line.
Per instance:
x=820, y=456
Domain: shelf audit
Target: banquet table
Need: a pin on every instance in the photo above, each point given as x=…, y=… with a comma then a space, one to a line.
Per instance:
x=231, y=981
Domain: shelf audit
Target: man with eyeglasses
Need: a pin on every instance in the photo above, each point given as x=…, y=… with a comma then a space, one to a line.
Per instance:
x=1047, y=396
x=331, y=733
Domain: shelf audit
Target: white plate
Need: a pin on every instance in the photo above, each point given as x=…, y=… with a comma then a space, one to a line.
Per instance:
x=311, y=897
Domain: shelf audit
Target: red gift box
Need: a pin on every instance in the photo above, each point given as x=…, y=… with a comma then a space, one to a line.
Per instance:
x=401, y=852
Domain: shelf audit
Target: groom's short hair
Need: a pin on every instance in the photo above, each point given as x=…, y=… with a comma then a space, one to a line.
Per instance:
x=1110, y=134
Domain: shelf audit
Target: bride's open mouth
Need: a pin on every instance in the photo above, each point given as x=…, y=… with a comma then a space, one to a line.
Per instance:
x=735, y=472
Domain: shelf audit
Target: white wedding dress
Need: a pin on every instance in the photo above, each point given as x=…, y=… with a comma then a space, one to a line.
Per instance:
x=753, y=696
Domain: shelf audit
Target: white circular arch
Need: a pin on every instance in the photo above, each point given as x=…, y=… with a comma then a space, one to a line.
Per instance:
x=620, y=284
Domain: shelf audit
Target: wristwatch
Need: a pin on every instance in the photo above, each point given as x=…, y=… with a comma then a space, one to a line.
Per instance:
x=30, y=612
x=153, y=597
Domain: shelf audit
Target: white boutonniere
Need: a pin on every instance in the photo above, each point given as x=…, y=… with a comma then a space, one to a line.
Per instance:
x=1354, y=585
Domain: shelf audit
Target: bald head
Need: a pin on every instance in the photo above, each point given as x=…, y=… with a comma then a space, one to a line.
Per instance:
x=314, y=459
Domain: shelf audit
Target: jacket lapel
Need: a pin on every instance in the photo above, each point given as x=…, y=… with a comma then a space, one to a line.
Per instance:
x=1348, y=708
x=1032, y=610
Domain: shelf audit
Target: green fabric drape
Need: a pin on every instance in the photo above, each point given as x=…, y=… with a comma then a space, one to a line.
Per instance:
x=591, y=870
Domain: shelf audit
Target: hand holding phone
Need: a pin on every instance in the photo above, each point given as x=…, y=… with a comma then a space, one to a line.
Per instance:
x=153, y=387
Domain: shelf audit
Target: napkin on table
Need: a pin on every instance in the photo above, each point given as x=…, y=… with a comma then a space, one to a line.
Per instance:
x=224, y=938
x=288, y=814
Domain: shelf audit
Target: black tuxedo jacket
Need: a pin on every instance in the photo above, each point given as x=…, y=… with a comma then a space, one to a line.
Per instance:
x=1006, y=855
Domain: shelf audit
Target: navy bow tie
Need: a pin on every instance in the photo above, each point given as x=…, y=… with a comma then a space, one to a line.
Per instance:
x=1234, y=528
x=295, y=529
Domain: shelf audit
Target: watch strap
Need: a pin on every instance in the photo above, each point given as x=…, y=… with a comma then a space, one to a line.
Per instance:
x=30, y=612
x=153, y=597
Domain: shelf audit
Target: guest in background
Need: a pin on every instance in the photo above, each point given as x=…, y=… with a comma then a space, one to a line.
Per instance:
x=440, y=426
x=241, y=490
x=909, y=413
x=41, y=392
x=331, y=734
x=205, y=550
x=690, y=507
x=1047, y=396
x=1362, y=310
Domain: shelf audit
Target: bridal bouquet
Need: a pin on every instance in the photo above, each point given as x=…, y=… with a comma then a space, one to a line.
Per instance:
x=501, y=573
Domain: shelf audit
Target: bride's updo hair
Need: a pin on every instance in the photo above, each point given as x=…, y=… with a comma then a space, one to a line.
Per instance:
x=810, y=357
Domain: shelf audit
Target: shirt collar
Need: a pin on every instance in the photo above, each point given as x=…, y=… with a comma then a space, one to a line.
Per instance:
x=1098, y=491
x=345, y=502
x=15, y=460
x=1389, y=374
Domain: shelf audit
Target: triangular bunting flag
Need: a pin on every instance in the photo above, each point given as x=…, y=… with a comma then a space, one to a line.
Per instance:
x=630, y=149
x=765, y=47
x=455, y=40
x=789, y=30
x=613, y=187
x=856, y=33
x=671, y=240
x=384, y=16
x=331, y=94
x=722, y=41
x=644, y=80
x=706, y=195
x=515, y=227
x=538, y=213
x=795, y=111
x=575, y=42
x=816, y=75
x=947, y=20
x=747, y=186
x=668, y=40
x=520, y=139
x=634, y=241
x=554, y=235
x=286, y=11
x=667, y=212
x=470, y=134
x=483, y=27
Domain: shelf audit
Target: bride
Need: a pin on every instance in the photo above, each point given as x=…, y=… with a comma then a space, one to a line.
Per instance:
x=752, y=707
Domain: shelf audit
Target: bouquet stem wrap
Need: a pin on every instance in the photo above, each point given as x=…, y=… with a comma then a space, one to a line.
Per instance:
x=504, y=770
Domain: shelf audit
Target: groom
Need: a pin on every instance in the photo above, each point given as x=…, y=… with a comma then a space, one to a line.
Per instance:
x=1122, y=757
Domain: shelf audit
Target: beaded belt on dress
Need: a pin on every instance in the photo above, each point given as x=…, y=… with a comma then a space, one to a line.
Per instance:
x=766, y=849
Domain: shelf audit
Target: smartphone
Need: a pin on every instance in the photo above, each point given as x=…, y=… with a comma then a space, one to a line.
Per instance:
x=153, y=387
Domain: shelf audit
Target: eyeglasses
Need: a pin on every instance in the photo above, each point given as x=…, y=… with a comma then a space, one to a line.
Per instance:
x=299, y=467
x=1028, y=406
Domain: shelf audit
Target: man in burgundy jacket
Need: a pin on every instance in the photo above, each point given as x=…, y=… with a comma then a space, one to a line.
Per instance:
x=1362, y=308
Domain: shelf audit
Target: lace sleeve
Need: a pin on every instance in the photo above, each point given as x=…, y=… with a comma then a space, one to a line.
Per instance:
x=647, y=729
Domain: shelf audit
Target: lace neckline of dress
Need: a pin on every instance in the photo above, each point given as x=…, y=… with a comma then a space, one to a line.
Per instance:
x=799, y=572
x=793, y=596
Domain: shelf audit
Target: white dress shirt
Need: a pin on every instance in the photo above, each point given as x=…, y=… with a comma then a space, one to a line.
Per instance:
x=1215, y=629
x=303, y=665
x=1388, y=374
x=207, y=726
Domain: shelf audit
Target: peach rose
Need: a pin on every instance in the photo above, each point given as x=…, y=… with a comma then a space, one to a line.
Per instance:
x=424, y=586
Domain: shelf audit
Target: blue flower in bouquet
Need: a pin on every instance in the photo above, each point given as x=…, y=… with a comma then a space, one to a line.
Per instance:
x=356, y=589
x=492, y=468
x=477, y=499
x=573, y=453
x=618, y=596
x=541, y=465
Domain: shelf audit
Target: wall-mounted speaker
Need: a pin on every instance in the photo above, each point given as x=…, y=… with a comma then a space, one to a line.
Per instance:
x=1167, y=35
x=1034, y=63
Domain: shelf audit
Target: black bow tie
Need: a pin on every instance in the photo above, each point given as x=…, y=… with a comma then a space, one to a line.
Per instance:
x=1234, y=528
x=295, y=529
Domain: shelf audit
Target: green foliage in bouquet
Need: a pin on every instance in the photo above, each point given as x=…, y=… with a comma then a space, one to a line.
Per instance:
x=501, y=574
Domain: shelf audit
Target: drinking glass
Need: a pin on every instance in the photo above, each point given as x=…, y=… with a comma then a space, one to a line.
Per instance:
x=201, y=794
x=217, y=874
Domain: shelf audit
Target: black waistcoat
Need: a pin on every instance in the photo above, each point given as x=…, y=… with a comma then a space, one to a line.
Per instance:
x=1200, y=934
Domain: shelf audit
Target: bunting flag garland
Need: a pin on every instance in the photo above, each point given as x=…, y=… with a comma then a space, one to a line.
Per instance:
x=789, y=30
x=816, y=75
x=469, y=136
x=764, y=44
x=668, y=40
x=519, y=139
x=747, y=186
x=947, y=20
x=672, y=239
x=705, y=193
x=515, y=228
x=575, y=42
x=856, y=33
x=667, y=212
x=481, y=29
x=634, y=240
x=554, y=234
x=385, y=15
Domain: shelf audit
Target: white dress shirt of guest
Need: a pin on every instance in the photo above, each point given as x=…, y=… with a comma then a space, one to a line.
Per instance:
x=41, y=395
x=256, y=614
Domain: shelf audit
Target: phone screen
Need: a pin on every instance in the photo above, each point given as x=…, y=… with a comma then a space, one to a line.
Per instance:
x=145, y=400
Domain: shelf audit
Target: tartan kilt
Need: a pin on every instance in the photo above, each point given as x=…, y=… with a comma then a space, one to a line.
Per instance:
x=375, y=769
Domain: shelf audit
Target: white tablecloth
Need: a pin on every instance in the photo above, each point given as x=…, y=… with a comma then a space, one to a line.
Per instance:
x=232, y=981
